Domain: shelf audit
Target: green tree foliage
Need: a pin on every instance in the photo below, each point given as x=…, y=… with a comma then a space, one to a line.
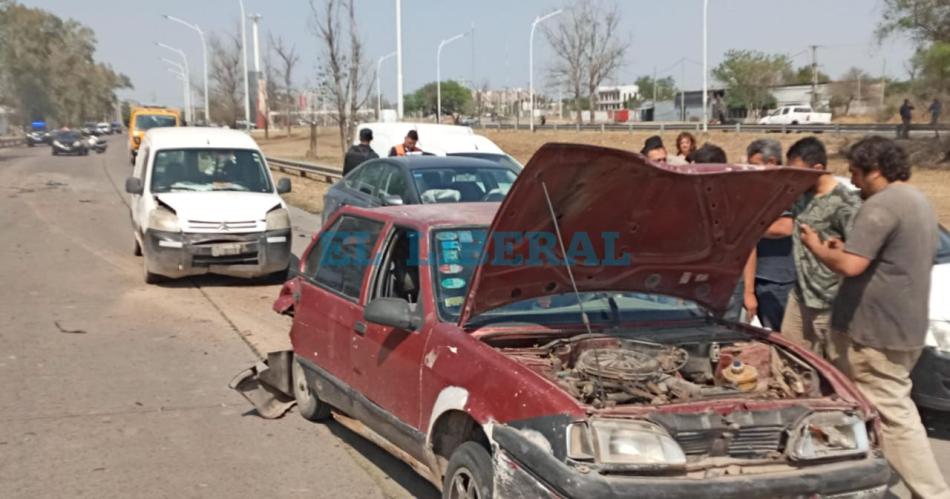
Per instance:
x=804, y=75
x=927, y=21
x=665, y=88
x=934, y=64
x=456, y=99
x=48, y=70
x=749, y=75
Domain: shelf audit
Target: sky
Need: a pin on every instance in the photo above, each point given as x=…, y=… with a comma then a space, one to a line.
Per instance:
x=660, y=33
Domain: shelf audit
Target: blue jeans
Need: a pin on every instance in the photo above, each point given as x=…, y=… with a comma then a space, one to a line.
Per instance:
x=772, y=298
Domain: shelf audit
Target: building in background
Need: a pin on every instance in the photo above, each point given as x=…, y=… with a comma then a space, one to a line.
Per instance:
x=612, y=98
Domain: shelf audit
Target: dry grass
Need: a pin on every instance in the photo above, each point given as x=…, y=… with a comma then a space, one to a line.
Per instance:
x=932, y=178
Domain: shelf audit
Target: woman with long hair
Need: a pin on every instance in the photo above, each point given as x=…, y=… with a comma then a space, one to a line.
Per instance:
x=685, y=146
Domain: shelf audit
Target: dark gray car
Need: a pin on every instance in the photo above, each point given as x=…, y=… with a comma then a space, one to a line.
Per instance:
x=421, y=180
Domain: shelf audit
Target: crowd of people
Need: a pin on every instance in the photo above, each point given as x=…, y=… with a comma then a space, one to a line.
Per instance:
x=845, y=273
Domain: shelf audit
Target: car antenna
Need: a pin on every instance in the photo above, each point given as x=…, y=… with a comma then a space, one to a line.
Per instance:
x=570, y=274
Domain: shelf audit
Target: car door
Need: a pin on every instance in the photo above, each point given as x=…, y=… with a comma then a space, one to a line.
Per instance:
x=330, y=290
x=357, y=189
x=387, y=361
x=137, y=202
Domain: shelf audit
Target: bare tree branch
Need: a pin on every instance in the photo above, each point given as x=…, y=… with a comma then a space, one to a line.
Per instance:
x=289, y=58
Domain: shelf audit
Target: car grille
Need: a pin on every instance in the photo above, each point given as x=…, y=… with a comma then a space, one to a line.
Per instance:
x=242, y=259
x=236, y=226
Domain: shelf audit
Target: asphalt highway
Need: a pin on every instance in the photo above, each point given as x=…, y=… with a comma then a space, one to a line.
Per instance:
x=113, y=388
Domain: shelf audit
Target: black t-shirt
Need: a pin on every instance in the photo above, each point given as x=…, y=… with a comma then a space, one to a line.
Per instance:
x=774, y=261
x=356, y=156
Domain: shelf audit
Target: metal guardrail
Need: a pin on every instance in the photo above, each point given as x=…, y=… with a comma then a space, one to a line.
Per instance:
x=329, y=174
x=12, y=142
x=736, y=127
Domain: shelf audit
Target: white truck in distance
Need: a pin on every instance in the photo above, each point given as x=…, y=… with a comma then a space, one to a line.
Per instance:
x=796, y=115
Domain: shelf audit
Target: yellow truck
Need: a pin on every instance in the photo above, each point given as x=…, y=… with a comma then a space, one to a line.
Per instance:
x=141, y=119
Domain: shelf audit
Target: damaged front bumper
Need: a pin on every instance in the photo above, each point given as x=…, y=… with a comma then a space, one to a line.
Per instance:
x=522, y=469
x=267, y=385
x=177, y=254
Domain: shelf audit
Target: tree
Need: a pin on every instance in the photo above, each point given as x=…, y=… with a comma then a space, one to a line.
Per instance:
x=804, y=76
x=665, y=88
x=456, y=99
x=588, y=52
x=749, y=76
x=926, y=21
x=288, y=60
x=345, y=76
x=848, y=89
x=227, y=91
x=934, y=64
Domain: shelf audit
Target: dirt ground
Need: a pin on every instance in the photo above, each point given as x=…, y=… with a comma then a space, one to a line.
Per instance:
x=930, y=175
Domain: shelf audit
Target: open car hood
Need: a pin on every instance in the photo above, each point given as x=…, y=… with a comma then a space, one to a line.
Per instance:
x=688, y=230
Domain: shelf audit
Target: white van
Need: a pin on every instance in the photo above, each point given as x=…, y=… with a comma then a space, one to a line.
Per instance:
x=203, y=201
x=438, y=140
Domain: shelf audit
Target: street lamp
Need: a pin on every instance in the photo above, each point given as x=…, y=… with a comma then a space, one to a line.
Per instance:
x=247, y=95
x=705, y=70
x=204, y=48
x=187, y=73
x=179, y=72
x=438, y=75
x=399, y=103
x=534, y=25
x=379, y=92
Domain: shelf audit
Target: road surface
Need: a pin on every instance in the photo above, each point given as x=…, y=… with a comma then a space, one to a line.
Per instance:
x=117, y=389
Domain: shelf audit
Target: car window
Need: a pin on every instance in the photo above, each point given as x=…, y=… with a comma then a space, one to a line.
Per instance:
x=802, y=110
x=394, y=184
x=785, y=110
x=398, y=274
x=209, y=170
x=148, y=121
x=462, y=184
x=339, y=260
x=365, y=179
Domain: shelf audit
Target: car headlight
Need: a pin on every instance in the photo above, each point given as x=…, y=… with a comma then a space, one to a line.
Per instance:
x=939, y=335
x=623, y=442
x=76, y=144
x=163, y=219
x=829, y=434
x=278, y=219
x=57, y=144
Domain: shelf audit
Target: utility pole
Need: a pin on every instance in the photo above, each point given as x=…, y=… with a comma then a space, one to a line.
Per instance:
x=705, y=67
x=247, y=95
x=255, y=18
x=654, y=89
x=814, y=76
x=399, y=103
x=534, y=25
x=379, y=92
x=438, y=75
x=204, y=48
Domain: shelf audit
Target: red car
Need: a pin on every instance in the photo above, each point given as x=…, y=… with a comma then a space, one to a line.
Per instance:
x=569, y=341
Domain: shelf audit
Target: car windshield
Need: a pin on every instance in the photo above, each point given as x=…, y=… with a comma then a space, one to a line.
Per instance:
x=501, y=159
x=457, y=252
x=209, y=170
x=148, y=121
x=462, y=184
x=67, y=136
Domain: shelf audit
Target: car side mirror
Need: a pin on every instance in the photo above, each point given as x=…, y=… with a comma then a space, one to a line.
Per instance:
x=133, y=185
x=392, y=312
x=392, y=200
x=283, y=186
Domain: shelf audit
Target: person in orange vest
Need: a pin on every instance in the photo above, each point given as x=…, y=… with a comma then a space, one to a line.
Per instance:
x=408, y=145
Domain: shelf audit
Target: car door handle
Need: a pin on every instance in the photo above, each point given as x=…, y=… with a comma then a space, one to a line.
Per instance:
x=360, y=328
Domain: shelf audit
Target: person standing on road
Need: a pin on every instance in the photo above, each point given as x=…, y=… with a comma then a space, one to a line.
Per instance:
x=936, y=107
x=408, y=145
x=770, y=271
x=881, y=312
x=828, y=208
x=907, y=112
x=359, y=153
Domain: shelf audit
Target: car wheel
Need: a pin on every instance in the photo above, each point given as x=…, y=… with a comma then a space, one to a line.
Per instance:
x=469, y=474
x=136, y=247
x=54, y=152
x=309, y=405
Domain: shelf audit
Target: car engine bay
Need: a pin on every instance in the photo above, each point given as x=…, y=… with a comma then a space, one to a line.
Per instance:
x=617, y=369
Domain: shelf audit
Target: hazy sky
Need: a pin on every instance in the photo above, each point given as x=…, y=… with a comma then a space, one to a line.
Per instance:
x=660, y=33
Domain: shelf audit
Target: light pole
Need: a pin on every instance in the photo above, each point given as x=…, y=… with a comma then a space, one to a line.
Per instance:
x=399, y=104
x=705, y=68
x=177, y=71
x=534, y=25
x=247, y=96
x=204, y=48
x=187, y=73
x=379, y=92
x=438, y=75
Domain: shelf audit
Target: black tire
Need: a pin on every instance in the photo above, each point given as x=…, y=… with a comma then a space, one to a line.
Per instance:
x=469, y=473
x=308, y=404
x=54, y=152
x=136, y=247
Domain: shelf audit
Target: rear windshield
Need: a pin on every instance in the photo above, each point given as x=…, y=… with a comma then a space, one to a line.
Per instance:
x=148, y=121
x=500, y=159
x=462, y=184
x=67, y=136
x=209, y=170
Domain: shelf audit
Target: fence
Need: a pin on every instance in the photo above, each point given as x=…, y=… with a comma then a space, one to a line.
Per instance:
x=323, y=173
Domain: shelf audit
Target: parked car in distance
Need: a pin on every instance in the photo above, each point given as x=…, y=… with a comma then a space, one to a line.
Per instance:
x=800, y=114
x=203, y=200
x=103, y=128
x=69, y=142
x=97, y=144
x=38, y=137
x=143, y=119
x=438, y=140
x=116, y=127
x=88, y=128
x=497, y=371
x=420, y=180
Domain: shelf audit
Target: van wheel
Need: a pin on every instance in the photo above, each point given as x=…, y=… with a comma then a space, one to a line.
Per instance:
x=309, y=405
x=469, y=473
x=136, y=247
